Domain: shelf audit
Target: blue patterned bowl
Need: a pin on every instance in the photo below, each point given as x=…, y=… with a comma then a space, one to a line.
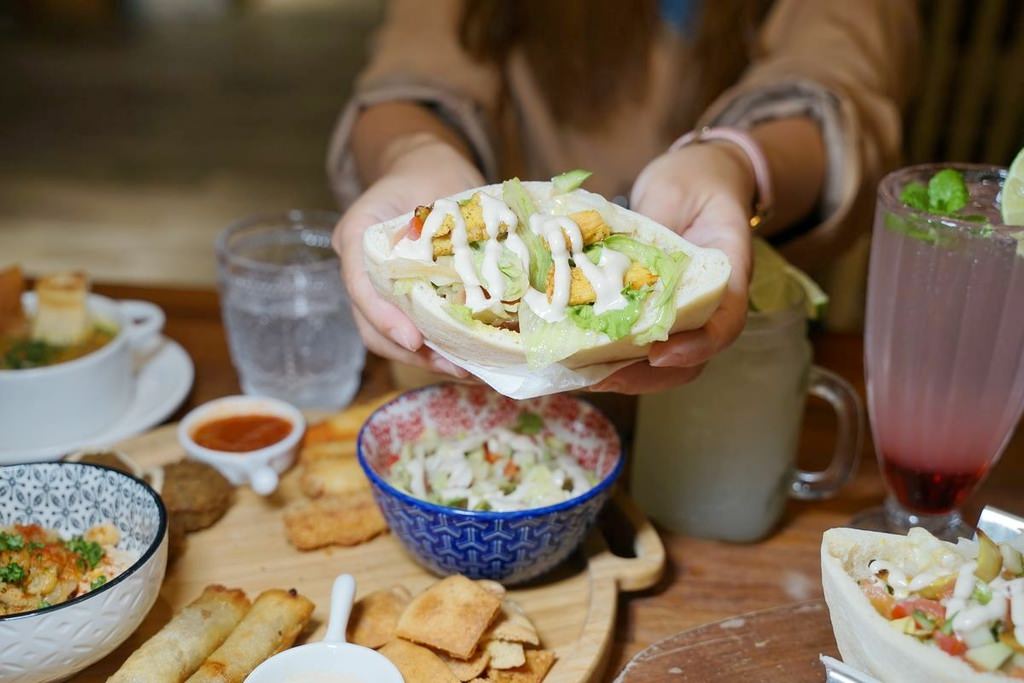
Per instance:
x=511, y=547
x=55, y=642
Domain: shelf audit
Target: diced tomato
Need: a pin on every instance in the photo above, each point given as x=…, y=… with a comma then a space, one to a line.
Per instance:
x=933, y=608
x=879, y=598
x=510, y=469
x=415, y=227
x=950, y=644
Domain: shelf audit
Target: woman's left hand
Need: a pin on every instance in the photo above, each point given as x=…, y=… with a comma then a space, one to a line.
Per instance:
x=705, y=193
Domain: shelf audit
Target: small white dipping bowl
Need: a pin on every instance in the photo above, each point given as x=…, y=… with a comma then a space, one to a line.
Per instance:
x=332, y=660
x=260, y=468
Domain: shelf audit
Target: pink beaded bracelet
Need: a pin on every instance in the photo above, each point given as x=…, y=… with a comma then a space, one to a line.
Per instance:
x=743, y=140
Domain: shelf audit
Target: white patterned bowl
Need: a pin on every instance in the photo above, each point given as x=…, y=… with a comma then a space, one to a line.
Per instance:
x=55, y=642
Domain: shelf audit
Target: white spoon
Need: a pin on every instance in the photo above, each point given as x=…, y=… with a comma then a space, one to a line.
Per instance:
x=332, y=660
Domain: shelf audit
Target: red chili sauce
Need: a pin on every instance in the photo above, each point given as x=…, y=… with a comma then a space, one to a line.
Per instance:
x=242, y=433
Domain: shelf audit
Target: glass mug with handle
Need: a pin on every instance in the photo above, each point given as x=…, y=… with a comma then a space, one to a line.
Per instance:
x=716, y=458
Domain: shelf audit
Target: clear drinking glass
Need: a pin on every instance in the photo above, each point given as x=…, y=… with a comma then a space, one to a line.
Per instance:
x=716, y=458
x=288, y=316
x=944, y=344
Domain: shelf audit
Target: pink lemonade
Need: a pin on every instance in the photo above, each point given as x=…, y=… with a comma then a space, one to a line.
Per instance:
x=944, y=343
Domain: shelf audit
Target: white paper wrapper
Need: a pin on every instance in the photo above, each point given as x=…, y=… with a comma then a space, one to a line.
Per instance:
x=837, y=672
x=521, y=381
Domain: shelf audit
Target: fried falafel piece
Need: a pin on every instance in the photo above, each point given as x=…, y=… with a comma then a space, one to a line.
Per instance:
x=638, y=277
x=195, y=493
x=473, y=215
x=582, y=292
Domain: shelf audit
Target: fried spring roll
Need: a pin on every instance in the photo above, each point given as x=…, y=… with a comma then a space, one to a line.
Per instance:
x=180, y=647
x=274, y=622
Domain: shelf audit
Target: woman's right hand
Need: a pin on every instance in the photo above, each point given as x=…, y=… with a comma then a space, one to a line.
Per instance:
x=426, y=168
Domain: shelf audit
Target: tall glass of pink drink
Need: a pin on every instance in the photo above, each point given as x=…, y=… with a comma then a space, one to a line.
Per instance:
x=944, y=347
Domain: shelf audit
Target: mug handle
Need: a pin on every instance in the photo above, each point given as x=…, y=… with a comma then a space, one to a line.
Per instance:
x=850, y=418
x=144, y=321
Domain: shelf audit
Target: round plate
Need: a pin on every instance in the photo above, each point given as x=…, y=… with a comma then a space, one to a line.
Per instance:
x=162, y=382
x=779, y=645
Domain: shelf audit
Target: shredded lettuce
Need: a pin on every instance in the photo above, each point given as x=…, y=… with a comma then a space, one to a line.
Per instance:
x=669, y=268
x=518, y=199
x=546, y=343
x=511, y=268
x=615, y=324
x=460, y=312
x=670, y=272
x=403, y=286
x=569, y=181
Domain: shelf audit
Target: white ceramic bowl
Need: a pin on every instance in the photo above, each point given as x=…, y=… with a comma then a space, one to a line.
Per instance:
x=332, y=659
x=48, y=406
x=260, y=468
x=53, y=643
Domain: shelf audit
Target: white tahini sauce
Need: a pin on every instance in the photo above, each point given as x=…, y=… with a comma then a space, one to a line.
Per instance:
x=896, y=579
x=606, y=276
x=962, y=589
x=1016, y=591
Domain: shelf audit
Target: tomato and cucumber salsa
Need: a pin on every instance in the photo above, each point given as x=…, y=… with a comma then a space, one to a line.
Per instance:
x=967, y=601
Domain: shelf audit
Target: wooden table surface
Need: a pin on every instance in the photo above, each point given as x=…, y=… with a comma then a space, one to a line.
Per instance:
x=705, y=580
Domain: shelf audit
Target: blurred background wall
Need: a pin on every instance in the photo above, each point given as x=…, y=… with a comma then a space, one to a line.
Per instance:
x=131, y=131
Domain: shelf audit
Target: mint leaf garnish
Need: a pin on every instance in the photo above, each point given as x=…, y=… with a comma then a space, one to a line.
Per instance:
x=915, y=195
x=947, y=192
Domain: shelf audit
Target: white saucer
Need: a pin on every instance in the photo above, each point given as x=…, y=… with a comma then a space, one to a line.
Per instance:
x=161, y=384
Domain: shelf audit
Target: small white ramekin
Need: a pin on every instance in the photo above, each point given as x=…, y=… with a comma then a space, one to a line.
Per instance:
x=260, y=468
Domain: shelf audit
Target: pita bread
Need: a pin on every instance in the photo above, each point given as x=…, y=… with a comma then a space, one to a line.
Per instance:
x=512, y=625
x=417, y=664
x=452, y=615
x=538, y=663
x=697, y=295
x=866, y=640
x=375, y=616
x=468, y=669
x=505, y=655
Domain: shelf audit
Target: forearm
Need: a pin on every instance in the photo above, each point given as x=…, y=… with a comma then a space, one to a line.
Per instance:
x=795, y=153
x=382, y=131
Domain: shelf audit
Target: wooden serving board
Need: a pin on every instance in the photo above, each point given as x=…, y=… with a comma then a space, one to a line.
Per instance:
x=573, y=608
x=779, y=645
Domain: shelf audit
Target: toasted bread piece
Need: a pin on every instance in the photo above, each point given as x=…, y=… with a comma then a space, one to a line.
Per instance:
x=451, y=615
x=61, y=318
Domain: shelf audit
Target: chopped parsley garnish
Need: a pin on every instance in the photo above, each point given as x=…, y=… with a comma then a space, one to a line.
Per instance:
x=36, y=545
x=89, y=553
x=529, y=423
x=12, y=572
x=29, y=353
x=11, y=541
x=97, y=582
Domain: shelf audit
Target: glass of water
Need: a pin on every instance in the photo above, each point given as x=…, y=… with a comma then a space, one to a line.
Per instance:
x=288, y=317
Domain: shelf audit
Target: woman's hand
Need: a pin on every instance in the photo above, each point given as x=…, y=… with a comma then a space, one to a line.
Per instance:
x=424, y=169
x=705, y=193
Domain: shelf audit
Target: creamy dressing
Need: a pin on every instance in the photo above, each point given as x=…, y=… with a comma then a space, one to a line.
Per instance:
x=1016, y=591
x=963, y=588
x=977, y=615
x=924, y=579
x=605, y=277
x=896, y=579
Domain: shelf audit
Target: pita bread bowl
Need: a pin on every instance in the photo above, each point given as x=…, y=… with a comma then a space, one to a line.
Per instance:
x=914, y=609
x=539, y=273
